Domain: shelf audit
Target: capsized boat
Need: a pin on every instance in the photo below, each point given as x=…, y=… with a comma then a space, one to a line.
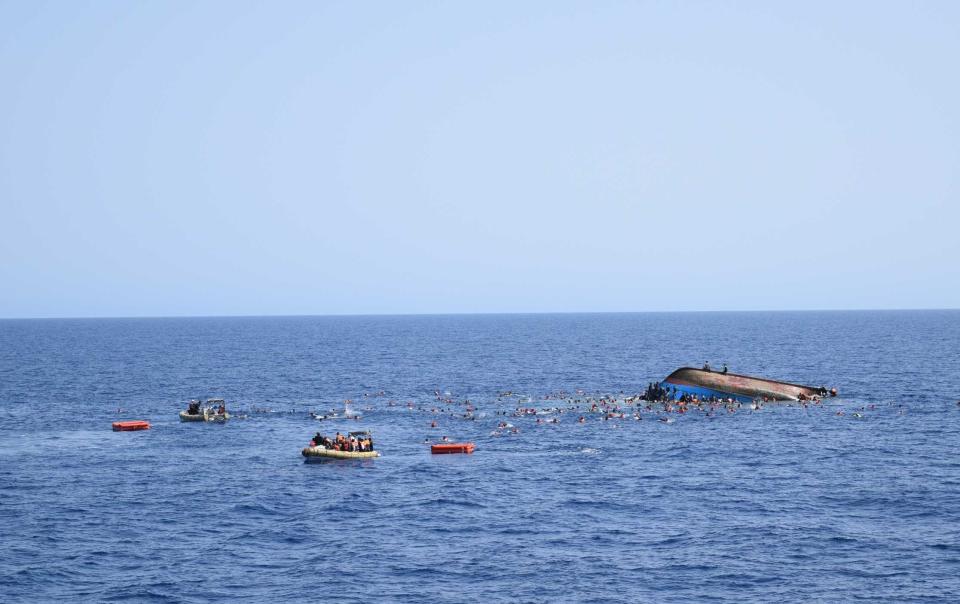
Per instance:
x=205, y=413
x=743, y=388
x=319, y=453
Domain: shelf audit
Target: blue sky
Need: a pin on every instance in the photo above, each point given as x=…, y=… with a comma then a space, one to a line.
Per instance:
x=182, y=158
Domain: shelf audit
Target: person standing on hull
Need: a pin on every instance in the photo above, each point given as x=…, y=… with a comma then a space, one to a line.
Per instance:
x=706, y=366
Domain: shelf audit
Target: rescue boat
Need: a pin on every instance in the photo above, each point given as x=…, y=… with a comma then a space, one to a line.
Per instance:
x=743, y=388
x=318, y=453
x=207, y=414
x=313, y=454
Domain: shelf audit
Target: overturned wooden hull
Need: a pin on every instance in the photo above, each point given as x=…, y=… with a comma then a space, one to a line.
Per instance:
x=745, y=388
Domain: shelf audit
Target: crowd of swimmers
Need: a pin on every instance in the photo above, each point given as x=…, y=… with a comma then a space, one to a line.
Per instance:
x=659, y=398
x=352, y=443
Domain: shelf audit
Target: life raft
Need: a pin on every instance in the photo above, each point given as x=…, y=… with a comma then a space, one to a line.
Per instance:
x=452, y=448
x=322, y=453
x=131, y=426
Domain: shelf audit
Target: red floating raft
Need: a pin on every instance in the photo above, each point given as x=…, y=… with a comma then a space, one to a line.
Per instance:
x=130, y=426
x=452, y=448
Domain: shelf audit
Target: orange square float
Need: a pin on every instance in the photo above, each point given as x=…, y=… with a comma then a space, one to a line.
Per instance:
x=452, y=448
x=130, y=426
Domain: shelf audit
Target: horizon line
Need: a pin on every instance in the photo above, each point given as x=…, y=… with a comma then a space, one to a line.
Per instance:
x=489, y=313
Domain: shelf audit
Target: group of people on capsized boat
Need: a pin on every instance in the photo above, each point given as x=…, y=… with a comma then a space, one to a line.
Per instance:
x=656, y=393
x=352, y=443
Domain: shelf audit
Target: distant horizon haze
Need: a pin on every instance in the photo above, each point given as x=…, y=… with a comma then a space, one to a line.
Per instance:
x=244, y=159
x=505, y=313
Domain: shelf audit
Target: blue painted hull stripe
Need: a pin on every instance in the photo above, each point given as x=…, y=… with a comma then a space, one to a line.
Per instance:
x=702, y=392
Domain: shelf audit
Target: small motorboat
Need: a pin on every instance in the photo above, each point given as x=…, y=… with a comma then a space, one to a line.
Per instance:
x=319, y=452
x=213, y=411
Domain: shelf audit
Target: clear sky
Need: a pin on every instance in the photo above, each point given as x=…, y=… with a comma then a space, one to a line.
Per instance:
x=207, y=158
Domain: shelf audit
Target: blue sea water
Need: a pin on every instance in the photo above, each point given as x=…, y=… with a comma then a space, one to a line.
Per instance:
x=785, y=504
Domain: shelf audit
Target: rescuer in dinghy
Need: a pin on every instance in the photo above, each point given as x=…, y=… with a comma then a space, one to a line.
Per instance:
x=322, y=441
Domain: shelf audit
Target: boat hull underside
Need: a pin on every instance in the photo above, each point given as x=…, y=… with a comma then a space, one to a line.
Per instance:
x=743, y=388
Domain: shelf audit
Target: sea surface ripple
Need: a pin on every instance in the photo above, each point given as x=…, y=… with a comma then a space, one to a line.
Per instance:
x=784, y=504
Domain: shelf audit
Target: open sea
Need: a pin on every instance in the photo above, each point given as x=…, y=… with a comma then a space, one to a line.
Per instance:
x=857, y=499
